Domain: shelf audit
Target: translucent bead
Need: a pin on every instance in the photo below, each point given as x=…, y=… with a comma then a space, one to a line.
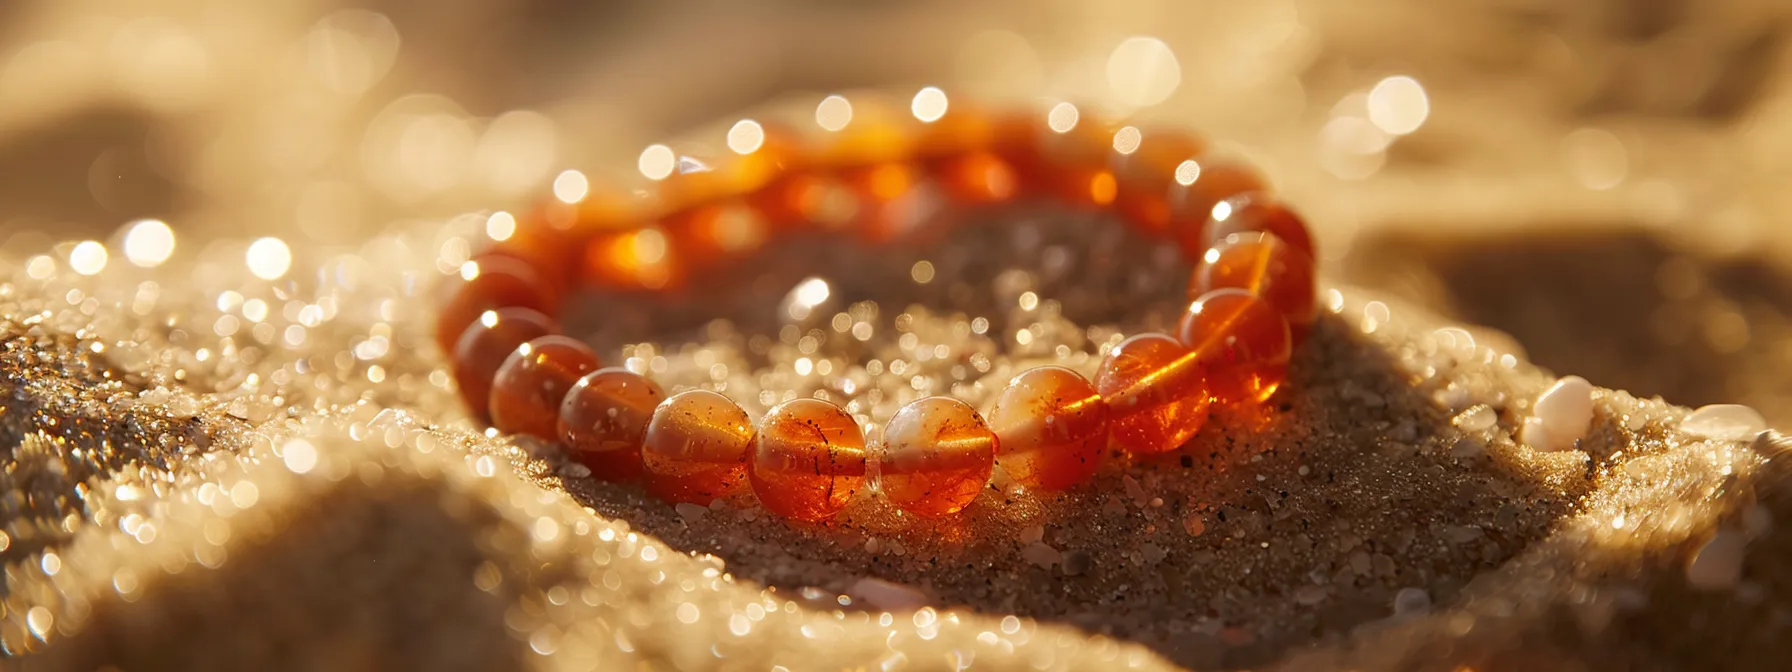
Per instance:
x=490, y=283
x=529, y=386
x=631, y=260
x=696, y=447
x=937, y=454
x=1241, y=341
x=978, y=178
x=1257, y=213
x=1146, y=174
x=885, y=211
x=548, y=246
x=1198, y=186
x=1052, y=428
x=712, y=232
x=603, y=420
x=485, y=345
x=1156, y=393
x=808, y=460
x=1261, y=264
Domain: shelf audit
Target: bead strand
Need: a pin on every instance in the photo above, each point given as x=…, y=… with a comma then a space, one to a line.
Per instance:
x=1252, y=299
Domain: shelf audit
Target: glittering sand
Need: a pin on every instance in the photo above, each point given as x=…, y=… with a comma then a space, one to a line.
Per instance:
x=196, y=484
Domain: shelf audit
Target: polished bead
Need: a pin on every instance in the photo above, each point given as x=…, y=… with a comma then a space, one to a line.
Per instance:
x=635, y=259
x=603, y=420
x=544, y=241
x=978, y=178
x=1242, y=343
x=711, y=232
x=1198, y=186
x=937, y=454
x=1145, y=175
x=887, y=208
x=1256, y=213
x=806, y=201
x=1261, y=264
x=529, y=386
x=1051, y=426
x=486, y=284
x=1156, y=393
x=485, y=345
x=808, y=460
x=696, y=447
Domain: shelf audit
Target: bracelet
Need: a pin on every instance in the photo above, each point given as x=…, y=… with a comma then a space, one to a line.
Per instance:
x=1252, y=299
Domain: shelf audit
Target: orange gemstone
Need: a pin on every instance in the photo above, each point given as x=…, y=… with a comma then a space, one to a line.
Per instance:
x=529, y=386
x=1256, y=213
x=550, y=247
x=887, y=207
x=806, y=200
x=978, y=178
x=637, y=259
x=1156, y=393
x=937, y=454
x=696, y=447
x=1146, y=174
x=490, y=283
x=1199, y=185
x=1261, y=264
x=1052, y=428
x=603, y=420
x=808, y=459
x=960, y=131
x=755, y=154
x=1241, y=341
x=708, y=233
x=485, y=345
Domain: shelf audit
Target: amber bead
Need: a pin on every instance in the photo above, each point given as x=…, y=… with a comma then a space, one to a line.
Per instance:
x=544, y=240
x=885, y=211
x=696, y=447
x=485, y=345
x=808, y=460
x=711, y=232
x=1257, y=213
x=1155, y=391
x=937, y=454
x=960, y=131
x=1261, y=264
x=603, y=420
x=1145, y=175
x=636, y=259
x=1241, y=342
x=527, y=390
x=490, y=283
x=808, y=200
x=1199, y=185
x=978, y=178
x=1051, y=428
x=739, y=168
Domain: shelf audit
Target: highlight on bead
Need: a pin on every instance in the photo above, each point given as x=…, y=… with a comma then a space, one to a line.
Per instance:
x=936, y=456
x=808, y=459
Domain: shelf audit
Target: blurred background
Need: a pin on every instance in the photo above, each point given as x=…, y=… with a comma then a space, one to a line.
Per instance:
x=1604, y=179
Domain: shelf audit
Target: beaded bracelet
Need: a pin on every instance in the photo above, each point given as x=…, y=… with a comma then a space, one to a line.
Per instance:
x=1252, y=297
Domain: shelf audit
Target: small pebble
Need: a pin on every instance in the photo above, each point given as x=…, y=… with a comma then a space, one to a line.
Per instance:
x=1310, y=595
x=691, y=512
x=1411, y=602
x=1041, y=555
x=1478, y=419
x=1563, y=412
x=1032, y=534
x=1078, y=563
x=1718, y=565
x=1724, y=422
x=886, y=595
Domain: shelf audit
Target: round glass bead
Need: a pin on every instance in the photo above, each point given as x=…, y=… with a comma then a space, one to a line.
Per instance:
x=490, y=283
x=1198, y=185
x=1241, y=341
x=1145, y=175
x=937, y=454
x=808, y=460
x=1051, y=428
x=485, y=345
x=1261, y=264
x=1156, y=393
x=696, y=447
x=1257, y=213
x=526, y=392
x=603, y=420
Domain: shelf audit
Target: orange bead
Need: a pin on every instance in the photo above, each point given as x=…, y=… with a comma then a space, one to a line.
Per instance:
x=1241, y=341
x=1052, y=428
x=886, y=207
x=708, y=233
x=754, y=155
x=485, y=345
x=937, y=454
x=1198, y=186
x=1156, y=393
x=978, y=178
x=1256, y=213
x=696, y=447
x=490, y=283
x=1145, y=175
x=637, y=259
x=603, y=420
x=960, y=131
x=1263, y=265
x=808, y=460
x=550, y=247
x=529, y=386
x=806, y=200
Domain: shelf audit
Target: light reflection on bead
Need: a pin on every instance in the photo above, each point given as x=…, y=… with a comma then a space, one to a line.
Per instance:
x=1156, y=393
x=1241, y=341
x=484, y=347
x=489, y=284
x=936, y=456
x=1201, y=184
x=1052, y=428
x=1263, y=265
x=808, y=460
x=1247, y=213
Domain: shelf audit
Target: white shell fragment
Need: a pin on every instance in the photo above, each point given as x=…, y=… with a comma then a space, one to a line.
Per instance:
x=1561, y=415
x=1724, y=422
